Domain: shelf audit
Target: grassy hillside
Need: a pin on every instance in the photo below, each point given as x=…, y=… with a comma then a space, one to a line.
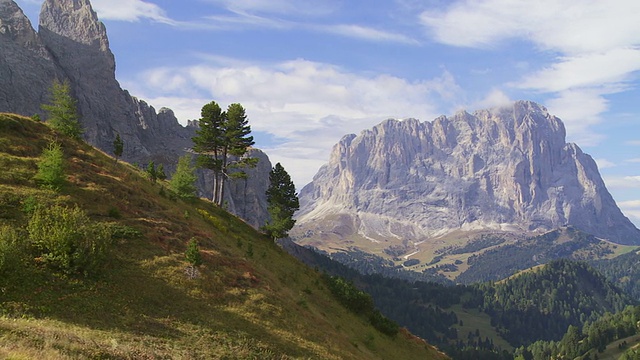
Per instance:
x=250, y=299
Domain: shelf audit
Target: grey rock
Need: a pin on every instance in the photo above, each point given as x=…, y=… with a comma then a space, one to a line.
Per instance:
x=503, y=169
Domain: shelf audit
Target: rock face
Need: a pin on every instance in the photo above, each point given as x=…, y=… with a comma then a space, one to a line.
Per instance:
x=72, y=45
x=504, y=169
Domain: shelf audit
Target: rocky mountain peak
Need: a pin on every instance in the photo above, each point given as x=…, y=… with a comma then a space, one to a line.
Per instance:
x=16, y=27
x=500, y=169
x=74, y=20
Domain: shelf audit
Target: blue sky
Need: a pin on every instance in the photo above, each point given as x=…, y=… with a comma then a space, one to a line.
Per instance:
x=310, y=71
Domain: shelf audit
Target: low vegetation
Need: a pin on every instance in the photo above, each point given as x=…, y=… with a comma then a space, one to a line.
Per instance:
x=114, y=282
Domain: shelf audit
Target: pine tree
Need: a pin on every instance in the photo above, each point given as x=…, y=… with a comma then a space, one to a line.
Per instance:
x=118, y=147
x=193, y=253
x=221, y=143
x=183, y=180
x=282, y=203
x=63, y=113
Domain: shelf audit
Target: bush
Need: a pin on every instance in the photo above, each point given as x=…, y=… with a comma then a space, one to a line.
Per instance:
x=68, y=240
x=10, y=250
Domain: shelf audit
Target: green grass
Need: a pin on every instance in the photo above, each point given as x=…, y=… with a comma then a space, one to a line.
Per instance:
x=251, y=300
x=473, y=320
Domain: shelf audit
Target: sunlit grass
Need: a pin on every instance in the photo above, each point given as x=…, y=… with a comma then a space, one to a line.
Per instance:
x=251, y=299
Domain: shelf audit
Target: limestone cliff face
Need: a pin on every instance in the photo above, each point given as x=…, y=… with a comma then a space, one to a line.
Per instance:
x=26, y=67
x=506, y=169
x=72, y=44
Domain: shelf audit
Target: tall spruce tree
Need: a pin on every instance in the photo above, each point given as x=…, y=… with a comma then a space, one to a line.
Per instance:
x=282, y=201
x=62, y=111
x=118, y=147
x=221, y=143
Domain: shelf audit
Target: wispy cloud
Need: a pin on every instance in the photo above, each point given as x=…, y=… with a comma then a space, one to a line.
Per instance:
x=295, y=101
x=130, y=10
x=631, y=208
x=313, y=8
x=598, y=44
x=604, y=164
x=367, y=33
x=622, y=182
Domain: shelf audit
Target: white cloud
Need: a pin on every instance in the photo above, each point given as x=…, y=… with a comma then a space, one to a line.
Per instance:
x=596, y=45
x=622, y=182
x=495, y=98
x=367, y=33
x=285, y=7
x=130, y=10
x=561, y=25
x=579, y=110
x=297, y=100
x=586, y=70
x=631, y=208
x=604, y=163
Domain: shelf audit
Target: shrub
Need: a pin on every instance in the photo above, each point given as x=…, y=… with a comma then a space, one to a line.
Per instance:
x=10, y=249
x=68, y=240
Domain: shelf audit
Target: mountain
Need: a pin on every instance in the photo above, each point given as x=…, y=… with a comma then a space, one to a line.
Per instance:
x=412, y=189
x=127, y=291
x=72, y=44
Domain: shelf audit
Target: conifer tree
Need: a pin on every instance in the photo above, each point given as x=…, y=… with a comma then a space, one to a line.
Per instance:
x=282, y=203
x=62, y=111
x=221, y=143
x=118, y=147
x=193, y=253
x=183, y=180
x=151, y=171
x=160, y=174
x=51, y=167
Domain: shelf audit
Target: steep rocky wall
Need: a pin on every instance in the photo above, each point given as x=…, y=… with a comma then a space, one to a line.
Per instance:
x=506, y=169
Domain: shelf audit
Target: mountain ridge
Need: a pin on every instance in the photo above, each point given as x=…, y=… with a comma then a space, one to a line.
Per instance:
x=506, y=169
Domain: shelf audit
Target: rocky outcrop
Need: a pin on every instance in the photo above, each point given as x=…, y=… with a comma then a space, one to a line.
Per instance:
x=72, y=45
x=504, y=169
x=26, y=67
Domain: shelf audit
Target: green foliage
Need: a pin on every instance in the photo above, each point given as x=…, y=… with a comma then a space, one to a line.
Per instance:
x=113, y=212
x=151, y=171
x=282, y=201
x=11, y=250
x=68, y=240
x=192, y=254
x=62, y=111
x=30, y=204
x=183, y=180
x=118, y=147
x=500, y=262
x=360, y=303
x=160, y=173
x=51, y=167
x=594, y=337
x=573, y=292
x=221, y=142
